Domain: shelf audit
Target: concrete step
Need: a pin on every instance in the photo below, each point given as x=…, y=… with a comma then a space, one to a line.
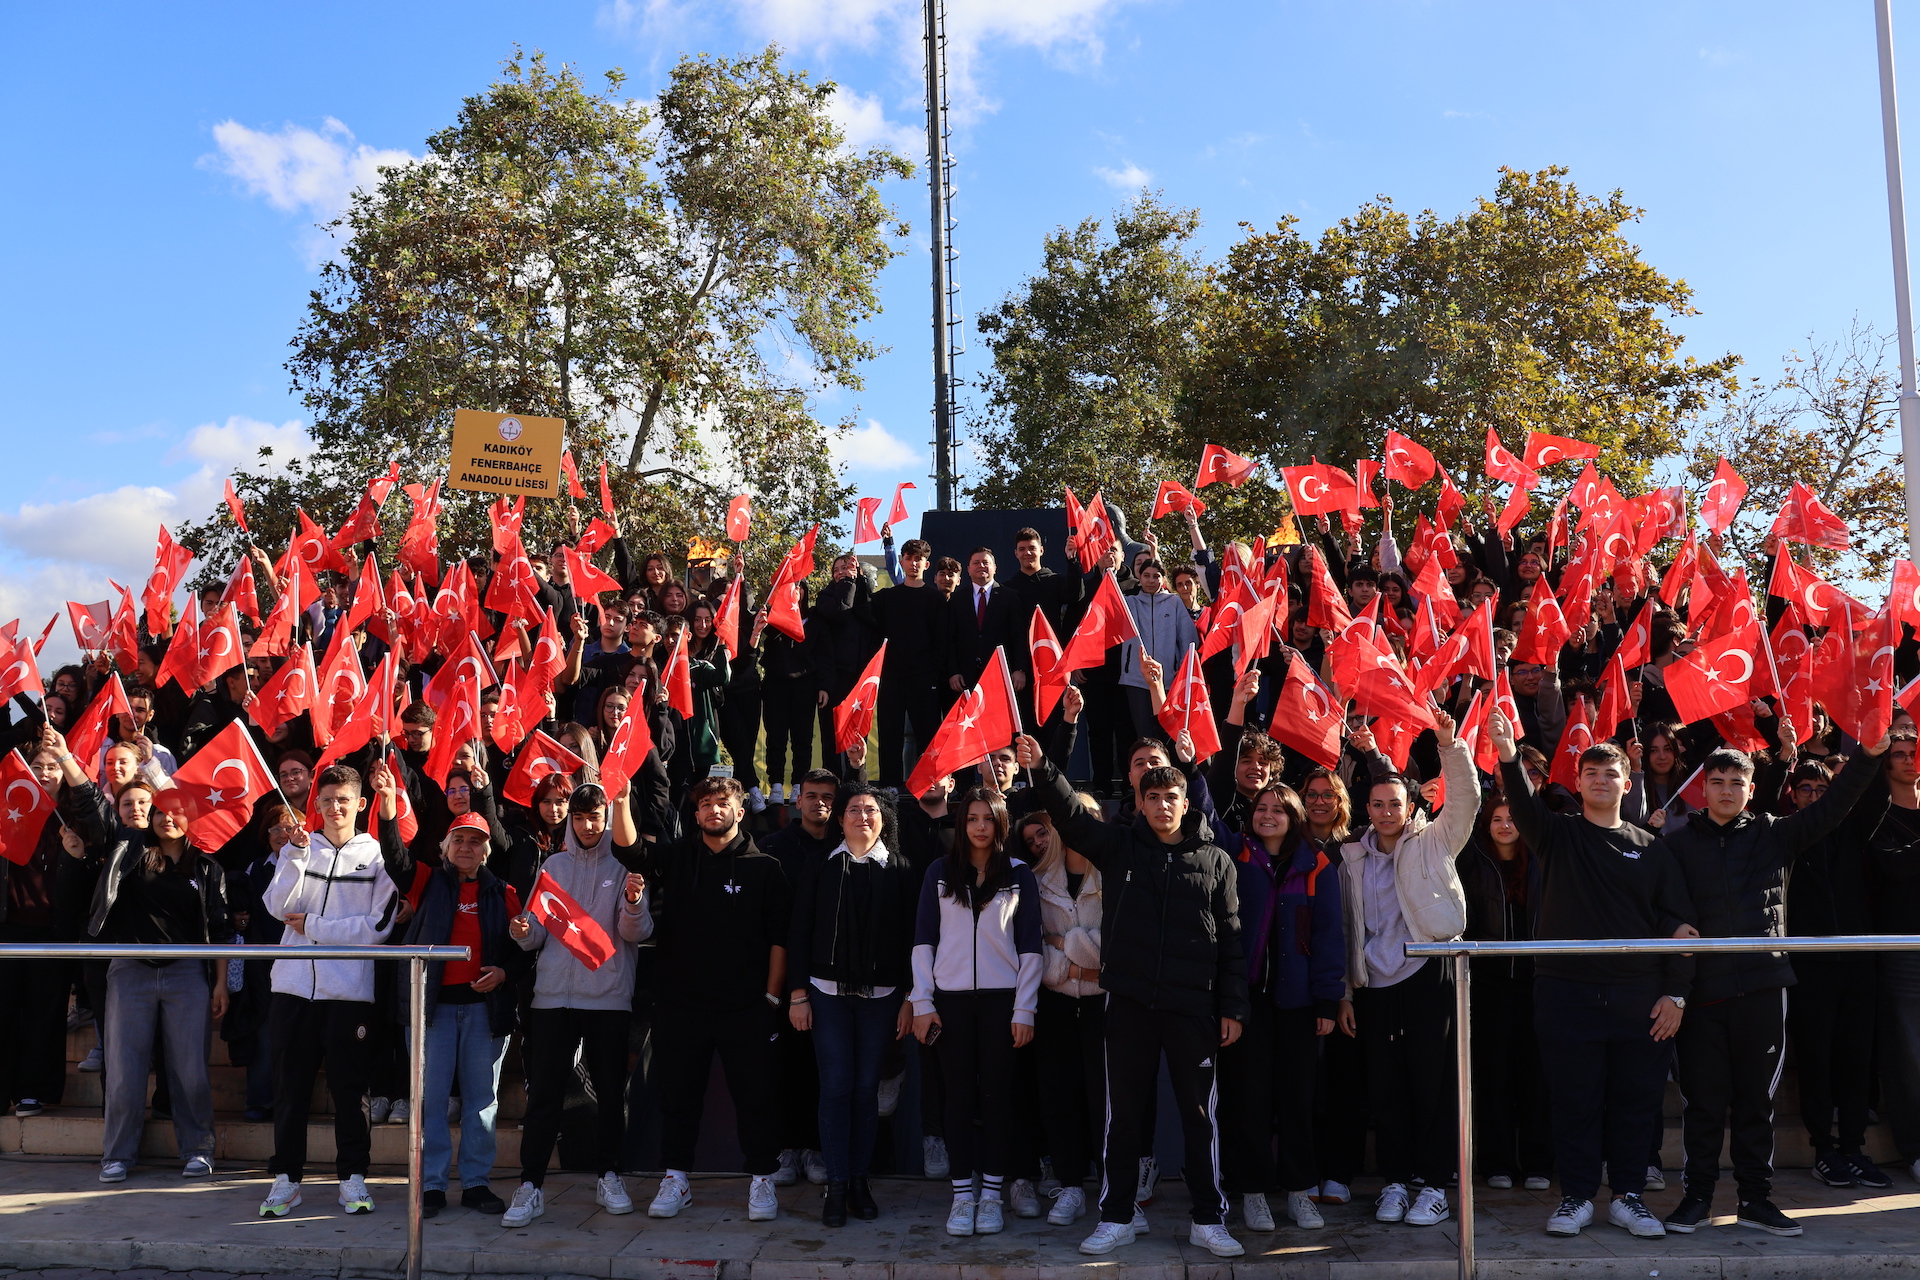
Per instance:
x=83, y=1090
x=68, y=1134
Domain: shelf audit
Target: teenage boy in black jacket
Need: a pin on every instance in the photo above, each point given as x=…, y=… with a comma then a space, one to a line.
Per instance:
x=1605, y=1023
x=1730, y=1050
x=1176, y=981
x=721, y=913
x=911, y=617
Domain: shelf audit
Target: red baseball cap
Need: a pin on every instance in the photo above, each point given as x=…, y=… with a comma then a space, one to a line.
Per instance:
x=470, y=822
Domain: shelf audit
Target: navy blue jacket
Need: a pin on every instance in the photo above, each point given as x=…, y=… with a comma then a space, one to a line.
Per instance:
x=1291, y=927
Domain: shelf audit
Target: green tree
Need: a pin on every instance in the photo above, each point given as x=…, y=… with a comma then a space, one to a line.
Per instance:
x=675, y=280
x=1830, y=421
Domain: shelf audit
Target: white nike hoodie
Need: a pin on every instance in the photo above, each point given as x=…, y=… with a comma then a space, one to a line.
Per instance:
x=348, y=900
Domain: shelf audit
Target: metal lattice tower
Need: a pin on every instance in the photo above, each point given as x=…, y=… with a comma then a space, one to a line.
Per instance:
x=949, y=323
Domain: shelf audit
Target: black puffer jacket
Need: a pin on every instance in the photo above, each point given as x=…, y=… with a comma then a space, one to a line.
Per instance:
x=1737, y=877
x=1170, y=934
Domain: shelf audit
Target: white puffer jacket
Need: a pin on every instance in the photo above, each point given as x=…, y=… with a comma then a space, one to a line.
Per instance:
x=1076, y=922
x=348, y=901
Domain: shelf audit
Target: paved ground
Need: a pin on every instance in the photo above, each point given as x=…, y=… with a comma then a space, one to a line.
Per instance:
x=57, y=1221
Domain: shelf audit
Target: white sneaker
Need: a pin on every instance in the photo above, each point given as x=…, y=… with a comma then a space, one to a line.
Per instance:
x=755, y=801
x=198, y=1167
x=1537, y=1182
x=1500, y=1181
x=1215, y=1239
x=1335, y=1193
x=789, y=1171
x=1303, y=1211
x=401, y=1113
x=1630, y=1212
x=1254, y=1213
x=1107, y=1237
x=94, y=1060
x=990, y=1217
x=610, y=1193
x=890, y=1093
x=1139, y=1223
x=933, y=1157
x=117, y=1170
x=284, y=1197
x=1392, y=1204
x=1024, y=1199
x=778, y=795
x=1570, y=1217
x=816, y=1167
x=1149, y=1178
x=527, y=1205
x=762, y=1204
x=960, y=1217
x=354, y=1196
x=1913, y=1169
x=1068, y=1204
x=378, y=1109
x=1429, y=1207
x=1656, y=1178
x=673, y=1196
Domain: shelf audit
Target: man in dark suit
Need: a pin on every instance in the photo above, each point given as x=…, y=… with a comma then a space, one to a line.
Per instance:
x=983, y=614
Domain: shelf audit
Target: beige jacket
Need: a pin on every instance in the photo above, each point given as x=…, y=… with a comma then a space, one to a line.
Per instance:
x=1076, y=922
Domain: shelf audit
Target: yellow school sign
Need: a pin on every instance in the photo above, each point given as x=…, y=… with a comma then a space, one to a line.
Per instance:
x=508, y=453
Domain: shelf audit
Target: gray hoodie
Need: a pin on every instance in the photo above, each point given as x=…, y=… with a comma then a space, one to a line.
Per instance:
x=595, y=880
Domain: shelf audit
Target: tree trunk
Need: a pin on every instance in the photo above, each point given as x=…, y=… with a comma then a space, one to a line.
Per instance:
x=645, y=428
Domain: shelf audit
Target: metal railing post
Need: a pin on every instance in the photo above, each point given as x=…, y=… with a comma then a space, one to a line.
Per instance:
x=1463, y=1093
x=417, y=1089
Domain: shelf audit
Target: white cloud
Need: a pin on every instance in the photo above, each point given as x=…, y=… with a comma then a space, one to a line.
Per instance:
x=301, y=170
x=1131, y=178
x=864, y=120
x=72, y=546
x=874, y=448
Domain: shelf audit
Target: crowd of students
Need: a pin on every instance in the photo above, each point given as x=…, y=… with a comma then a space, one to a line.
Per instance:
x=1040, y=936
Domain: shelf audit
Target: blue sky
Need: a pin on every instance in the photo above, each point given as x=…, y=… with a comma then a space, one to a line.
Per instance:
x=169, y=163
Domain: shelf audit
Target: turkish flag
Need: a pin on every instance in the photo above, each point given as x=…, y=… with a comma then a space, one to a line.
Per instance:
x=312, y=547
x=233, y=505
x=1557, y=525
x=863, y=530
x=597, y=535
x=182, y=663
x=289, y=693
x=19, y=669
x=678, y=678
x=514, y=588
x=1096, y=533
x=783, y=611
x=1715, y=676
x=342, y=681
x=567, y=923
x=89, y=732
x=1408, y=461
x=1217, y=464
x=1518, y=502
x=362, y=525
x=1305, y=716
x=587, y=580
x=1451, y=503
x=1819, y=601
x=853, y=718
x=371, y=716
x=170, y=561
x=1666, y=515
x=1502, y=465
x=402, y=806
x=1543, y=450
x=1382, y=687
x=627, y=750
x=1321, y=487
x=1732, y=611
x=25, y=807
x=219, y=644
x=1172, y=497
x=1473, y=731
x=469, y=663
x=1325, y=607
x=606, y=494
x=1237, y=595
x=1874, y=645
x=1344, y=650
x=1256, y=632
x=572, y=469
x=1674, y=580
x=1616, y=700
x=522, y=705
x=221, y=783
x=1470, y=649
x=726, y=622
x=1365, y=472
x=797, y=564
x=898, y=511
x=380, y=487
x=980, y=723
x=540, y=757
x=459, y=723
x=1050, y=673
x=1636, y=646
x=1107, y=622
x=420, y=544
x=1189, y=709
x=1574, y=740
x=283, y=622
x=1721, y=501
x=92, y=624
x=240, y=591
x=124, y=634
x=1803, y=519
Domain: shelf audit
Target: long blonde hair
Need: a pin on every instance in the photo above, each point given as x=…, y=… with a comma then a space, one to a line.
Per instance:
x=1056, y=847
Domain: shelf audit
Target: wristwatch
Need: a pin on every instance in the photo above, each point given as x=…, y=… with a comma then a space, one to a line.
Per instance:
x=1679, y=1002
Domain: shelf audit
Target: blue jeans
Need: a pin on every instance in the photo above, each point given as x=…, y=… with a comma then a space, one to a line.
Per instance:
x=459, y=1042
x=850, y=1035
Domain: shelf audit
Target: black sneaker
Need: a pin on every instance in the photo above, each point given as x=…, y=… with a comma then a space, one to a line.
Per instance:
x=481, y=1199
x=1690, y=1213
x=431, y=1203
x=1866, y=1173
x=1762, y=1214
x=1834, y=1169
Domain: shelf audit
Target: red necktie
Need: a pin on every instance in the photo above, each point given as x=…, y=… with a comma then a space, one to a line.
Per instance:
x=980, y=607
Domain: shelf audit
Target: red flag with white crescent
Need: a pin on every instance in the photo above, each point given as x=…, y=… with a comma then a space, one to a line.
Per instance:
x=1189, y=708
x=1715, y=676
x=539, y=758
x=739, y=518
x=1721, y=501
x=980, y=723
x=220, y=644
x=678, y=678
x=627, y=750
x=1502, y=465
x=726, y=622
x=863, y=527
x=233, y=505
x=606, y=494
x=89, y=733
x=853, y=718
x=1306, y=717
x=289, y=693
x=568, y=923
x=1543, y=450
x=92, y=624
x=25, y=807
x=1574, y=739
x=1050, y=675
x=898, y=511
x=1407, y=461
x=182, y=663
x=1218, y=464
x=1173, y=496
x=572, y=469
x=221, y=783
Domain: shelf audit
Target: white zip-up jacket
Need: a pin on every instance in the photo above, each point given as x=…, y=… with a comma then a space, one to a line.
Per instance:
x=1076, y=922
x=348, y=901
x=958, y=949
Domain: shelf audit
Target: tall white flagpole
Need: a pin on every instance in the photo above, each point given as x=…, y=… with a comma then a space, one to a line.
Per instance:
x=1902, y=291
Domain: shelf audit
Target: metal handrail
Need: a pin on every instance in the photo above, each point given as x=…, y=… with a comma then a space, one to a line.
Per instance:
x=417, y=957
x=1463, y=953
